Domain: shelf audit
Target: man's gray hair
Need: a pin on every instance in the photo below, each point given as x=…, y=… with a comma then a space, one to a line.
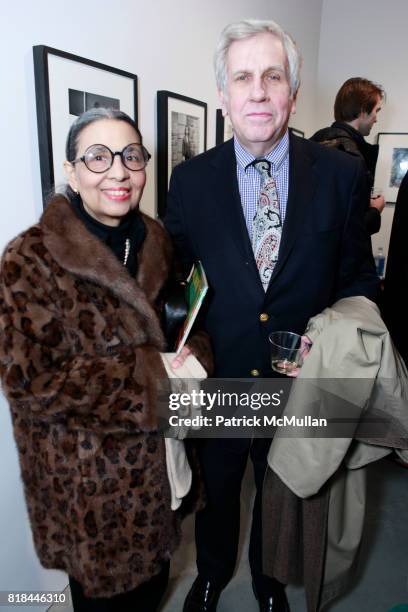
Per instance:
x=246, y=29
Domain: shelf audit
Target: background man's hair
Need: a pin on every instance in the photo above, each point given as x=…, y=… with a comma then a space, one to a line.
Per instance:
x=355, y=96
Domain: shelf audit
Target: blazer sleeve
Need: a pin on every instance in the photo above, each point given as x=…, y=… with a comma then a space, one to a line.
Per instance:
x=357, y=274
x=372, y=220
x=45, y=371
x=175, y=223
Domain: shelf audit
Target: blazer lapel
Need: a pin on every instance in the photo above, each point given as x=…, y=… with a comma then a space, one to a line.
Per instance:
x=229, y=208
x=302, y=185
x=228, y=199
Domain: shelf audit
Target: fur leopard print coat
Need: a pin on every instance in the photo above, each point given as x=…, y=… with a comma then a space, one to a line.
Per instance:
x=80, y=365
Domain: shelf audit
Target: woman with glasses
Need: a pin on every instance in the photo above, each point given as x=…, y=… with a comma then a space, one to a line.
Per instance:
x=80, y=364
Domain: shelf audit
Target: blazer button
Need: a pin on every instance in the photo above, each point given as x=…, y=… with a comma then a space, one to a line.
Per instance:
x=255, y=372
x=263, y=317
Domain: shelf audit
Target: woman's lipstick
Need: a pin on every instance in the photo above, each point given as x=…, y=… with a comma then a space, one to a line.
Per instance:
x=118, y=194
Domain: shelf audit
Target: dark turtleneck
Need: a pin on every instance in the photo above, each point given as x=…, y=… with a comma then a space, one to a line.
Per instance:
x=131, y=227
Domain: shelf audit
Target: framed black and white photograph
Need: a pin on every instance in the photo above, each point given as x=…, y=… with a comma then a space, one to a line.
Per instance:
x=181, y=134
x=392, y=163
x=297, y=132
x=223, y=128
x=66, y=85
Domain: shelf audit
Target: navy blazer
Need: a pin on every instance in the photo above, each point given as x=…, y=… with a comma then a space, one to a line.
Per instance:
x=325, y=252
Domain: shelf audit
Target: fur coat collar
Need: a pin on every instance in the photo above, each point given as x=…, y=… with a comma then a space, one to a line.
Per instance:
x=78, y=251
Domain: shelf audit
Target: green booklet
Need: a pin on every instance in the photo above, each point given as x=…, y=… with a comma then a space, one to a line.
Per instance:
x=196, y=288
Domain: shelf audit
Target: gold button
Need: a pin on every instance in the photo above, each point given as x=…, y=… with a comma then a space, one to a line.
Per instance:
x=254, y=372
x=263, y=317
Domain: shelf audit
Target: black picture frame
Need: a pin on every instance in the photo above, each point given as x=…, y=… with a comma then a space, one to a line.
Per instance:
x=177, y=113
x=65, y=85
x=392, y=164
x=223, y=128
x=297, y=132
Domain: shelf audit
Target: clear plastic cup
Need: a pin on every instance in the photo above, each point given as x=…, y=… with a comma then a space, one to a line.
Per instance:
x=286, y=351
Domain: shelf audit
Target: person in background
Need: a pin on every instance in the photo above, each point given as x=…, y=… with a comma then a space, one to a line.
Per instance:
x=277, y=222
x=80, y=365
x=396, y=275
x=356, y=109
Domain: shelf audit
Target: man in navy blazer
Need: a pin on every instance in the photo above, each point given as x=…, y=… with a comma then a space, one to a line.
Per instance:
x=324, y=255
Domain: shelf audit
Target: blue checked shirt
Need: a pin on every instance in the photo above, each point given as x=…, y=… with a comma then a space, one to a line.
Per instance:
x=249, y=179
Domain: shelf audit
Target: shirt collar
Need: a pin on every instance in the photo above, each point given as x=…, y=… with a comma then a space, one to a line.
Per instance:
x=276, y=157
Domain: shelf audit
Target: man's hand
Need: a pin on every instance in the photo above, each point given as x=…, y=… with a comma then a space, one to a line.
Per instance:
x=180, y=359
x=378, y=202
x=305, y=346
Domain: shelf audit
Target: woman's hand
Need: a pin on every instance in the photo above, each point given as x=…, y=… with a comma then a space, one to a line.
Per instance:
x=305, y=346
x=180, y=359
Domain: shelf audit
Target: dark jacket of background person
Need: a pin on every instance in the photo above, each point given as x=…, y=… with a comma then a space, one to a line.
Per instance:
x=324, y=253
x=395, y=307
x=80, y=367
x=346, y=138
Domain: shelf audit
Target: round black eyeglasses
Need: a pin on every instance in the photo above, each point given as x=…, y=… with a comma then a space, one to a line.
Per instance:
x=99, y=158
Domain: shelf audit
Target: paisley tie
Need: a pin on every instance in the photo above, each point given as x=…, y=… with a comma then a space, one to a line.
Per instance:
x=267, y=224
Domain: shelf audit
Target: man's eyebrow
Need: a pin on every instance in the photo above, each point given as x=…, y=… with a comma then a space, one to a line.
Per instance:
x=277, y=67
x=239, y=70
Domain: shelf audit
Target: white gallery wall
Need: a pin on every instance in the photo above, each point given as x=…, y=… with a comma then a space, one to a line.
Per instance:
x=366, y=38
x=169, y=45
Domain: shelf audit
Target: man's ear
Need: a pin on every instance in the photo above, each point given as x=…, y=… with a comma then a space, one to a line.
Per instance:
x=221, y=97
x=293, y=107
x=69, y=170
